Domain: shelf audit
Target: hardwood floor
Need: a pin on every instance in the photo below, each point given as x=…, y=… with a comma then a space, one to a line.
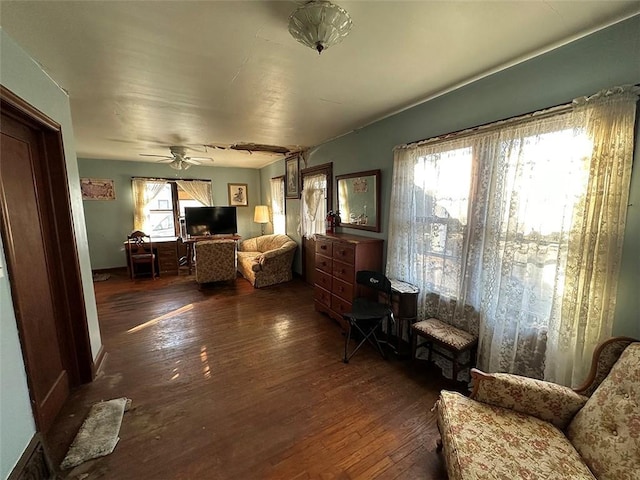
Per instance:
x=229, y=382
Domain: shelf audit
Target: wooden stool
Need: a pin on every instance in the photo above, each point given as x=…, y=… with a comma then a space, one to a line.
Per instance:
x=446, y=336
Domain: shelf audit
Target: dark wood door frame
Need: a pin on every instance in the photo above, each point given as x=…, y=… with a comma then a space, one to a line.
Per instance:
x=52, y=187
x=308, y=245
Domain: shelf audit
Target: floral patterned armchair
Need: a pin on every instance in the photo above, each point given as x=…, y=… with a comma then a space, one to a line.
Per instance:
x=215, y=260
x=515, y=427
x=266, y=260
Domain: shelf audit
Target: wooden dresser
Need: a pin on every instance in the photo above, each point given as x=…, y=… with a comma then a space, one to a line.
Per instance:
x=338, y=258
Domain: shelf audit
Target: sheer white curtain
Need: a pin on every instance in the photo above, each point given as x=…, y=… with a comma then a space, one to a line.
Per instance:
x=313, y=205
x=199, y=190
x=520, y=224
x=278, y=205
x=595, y=243
x=144, y=191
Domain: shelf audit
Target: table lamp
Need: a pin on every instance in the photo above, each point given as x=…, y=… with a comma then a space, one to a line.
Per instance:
x=261, y=215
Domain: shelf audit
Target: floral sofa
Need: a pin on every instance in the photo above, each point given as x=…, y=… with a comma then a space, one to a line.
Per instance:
x=514, y=427
x=266, y=260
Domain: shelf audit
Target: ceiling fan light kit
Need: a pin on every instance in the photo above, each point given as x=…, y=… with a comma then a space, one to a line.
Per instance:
x=178, y=160
x=319, y=24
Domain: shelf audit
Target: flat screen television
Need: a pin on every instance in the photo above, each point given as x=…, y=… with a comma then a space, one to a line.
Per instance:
x=210, y=220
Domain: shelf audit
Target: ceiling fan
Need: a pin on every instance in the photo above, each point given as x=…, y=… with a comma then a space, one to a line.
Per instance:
x=178, y=160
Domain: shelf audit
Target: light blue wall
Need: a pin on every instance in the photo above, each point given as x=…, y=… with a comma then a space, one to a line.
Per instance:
x=606, y=58
x=292, y=208
x=109, y=222
x=24, y=77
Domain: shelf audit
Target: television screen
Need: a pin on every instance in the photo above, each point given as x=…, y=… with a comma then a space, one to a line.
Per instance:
x=210, y=220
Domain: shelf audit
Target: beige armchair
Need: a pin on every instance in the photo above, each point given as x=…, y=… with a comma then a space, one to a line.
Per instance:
x=266, y=260
x=215, y=261
x=516, y=427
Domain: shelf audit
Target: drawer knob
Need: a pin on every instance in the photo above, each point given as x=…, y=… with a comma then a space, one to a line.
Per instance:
x=323, y=247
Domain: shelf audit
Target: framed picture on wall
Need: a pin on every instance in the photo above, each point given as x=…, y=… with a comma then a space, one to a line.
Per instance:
x=97, y=189
x=238, y=194
x=292, y=177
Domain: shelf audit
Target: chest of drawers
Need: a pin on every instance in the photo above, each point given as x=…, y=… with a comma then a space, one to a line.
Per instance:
x=337, y=259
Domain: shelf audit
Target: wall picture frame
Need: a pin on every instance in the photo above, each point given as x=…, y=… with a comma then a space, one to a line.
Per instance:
x=292, y=177
x=238, y=194
x=97, y=189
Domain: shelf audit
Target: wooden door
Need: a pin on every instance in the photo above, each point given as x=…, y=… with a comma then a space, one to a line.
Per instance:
x=26, y=228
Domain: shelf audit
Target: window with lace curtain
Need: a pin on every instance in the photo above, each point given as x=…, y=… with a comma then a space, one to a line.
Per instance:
x=159, y=204
x=278, y=205
x=522, y=222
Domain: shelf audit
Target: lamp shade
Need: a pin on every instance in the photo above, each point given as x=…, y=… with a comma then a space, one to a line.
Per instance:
x=261, y=214
x=319, y=24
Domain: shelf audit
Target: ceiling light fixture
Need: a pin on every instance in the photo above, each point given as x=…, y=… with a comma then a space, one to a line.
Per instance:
x=319, y=24
x=179, y=164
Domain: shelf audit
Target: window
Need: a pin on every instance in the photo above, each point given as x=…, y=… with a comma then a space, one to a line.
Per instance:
x=519, y=223
x=160, y=204
x=442, y=184
x=278, y=205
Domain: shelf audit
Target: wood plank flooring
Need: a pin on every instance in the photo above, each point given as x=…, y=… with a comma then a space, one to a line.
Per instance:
x=230, y=382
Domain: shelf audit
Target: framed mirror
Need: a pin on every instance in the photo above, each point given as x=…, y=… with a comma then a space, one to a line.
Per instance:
x=359, y=200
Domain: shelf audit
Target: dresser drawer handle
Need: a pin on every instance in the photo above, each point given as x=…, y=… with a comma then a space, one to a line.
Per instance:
x=323, y=247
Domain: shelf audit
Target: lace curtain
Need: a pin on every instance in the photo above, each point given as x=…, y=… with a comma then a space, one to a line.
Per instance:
x=516, y=229
x=144, y=191
x=313, y=205
x=278, y=205
x=596, y=239
x=199, y=190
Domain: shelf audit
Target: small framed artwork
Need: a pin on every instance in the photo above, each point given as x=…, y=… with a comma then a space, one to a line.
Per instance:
x=97, y=189
x=238, y=195
x=292, y=177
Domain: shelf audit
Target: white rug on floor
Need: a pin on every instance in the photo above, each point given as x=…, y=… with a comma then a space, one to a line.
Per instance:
x=98, y=434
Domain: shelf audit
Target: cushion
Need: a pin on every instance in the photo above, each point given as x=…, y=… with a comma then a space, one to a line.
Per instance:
x=448, y=334
x=487, y=442
x=547, y=401
x=606, y=431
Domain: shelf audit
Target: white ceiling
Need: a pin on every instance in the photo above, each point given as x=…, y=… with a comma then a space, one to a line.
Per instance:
x=142, y=76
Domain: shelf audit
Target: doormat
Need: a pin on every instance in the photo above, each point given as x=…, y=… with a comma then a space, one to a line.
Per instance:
x=100, y=277
x=98, y=434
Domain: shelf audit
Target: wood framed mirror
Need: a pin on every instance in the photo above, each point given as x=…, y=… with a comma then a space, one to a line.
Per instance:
x=359, y=200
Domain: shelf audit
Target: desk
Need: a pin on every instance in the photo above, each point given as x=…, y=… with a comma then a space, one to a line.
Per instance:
x=166, y=250
x=404, y=303
x=190, y=241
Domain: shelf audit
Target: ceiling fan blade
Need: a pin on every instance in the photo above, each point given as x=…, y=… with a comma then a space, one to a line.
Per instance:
x=201, y=158
x=150, y=155
x=192, y=161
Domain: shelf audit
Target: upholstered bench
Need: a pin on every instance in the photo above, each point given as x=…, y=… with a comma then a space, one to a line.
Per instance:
x=449, y=338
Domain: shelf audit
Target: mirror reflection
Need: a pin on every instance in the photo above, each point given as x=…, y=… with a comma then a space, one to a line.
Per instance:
x=358, y=200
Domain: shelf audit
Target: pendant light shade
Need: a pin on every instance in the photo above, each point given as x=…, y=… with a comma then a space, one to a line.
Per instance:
x=319, y=24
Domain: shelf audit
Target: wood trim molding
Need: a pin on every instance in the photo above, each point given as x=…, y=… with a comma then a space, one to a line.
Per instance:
x=99, y=362
x=34, y=464
x=27, y=109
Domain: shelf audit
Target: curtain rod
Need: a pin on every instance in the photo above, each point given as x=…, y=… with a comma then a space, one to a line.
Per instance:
x=538, y=114
x=486, y=127
x=172, y=179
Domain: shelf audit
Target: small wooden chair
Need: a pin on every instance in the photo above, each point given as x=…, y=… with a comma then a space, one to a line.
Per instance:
x=140, y=248
x=453, y=340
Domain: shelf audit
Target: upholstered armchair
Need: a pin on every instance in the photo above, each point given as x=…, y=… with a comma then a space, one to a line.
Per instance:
x=215, y=260
x=266, y=260
x=516, y=427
